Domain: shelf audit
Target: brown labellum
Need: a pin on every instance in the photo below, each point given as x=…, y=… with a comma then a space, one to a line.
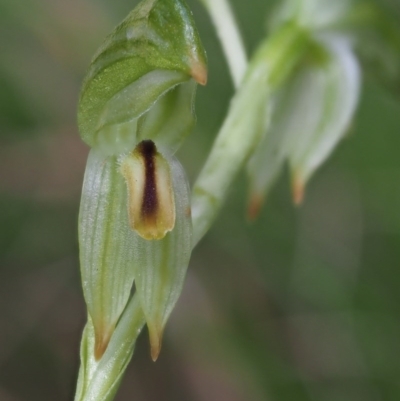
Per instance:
x=151, y=203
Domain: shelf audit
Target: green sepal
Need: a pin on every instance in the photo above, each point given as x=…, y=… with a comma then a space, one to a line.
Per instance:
x=106, y=246
x=161, y=264
x=154, y=49
x=324, y=100
x=266, y=163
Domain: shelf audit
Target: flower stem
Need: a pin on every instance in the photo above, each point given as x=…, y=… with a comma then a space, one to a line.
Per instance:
x=99, y=380
x=228, y=32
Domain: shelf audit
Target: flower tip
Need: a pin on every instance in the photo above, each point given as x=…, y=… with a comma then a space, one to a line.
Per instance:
x=254, y=207
x=155, y=342
x=155, y=352
x=152, y=230
x=298, y=189
x=102, y=338
x=199, y=72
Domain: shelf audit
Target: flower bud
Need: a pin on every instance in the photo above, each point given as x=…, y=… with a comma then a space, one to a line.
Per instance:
x=311, y=114
x=325, y=96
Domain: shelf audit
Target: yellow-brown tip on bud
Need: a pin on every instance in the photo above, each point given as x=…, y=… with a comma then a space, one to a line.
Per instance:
x=151, y=203
x=199, y=72
x=102, y=338
x=254, y=207
x=298, y=190
x=155, y=334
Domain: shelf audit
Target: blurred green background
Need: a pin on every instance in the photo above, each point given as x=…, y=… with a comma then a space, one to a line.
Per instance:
x=302, y=305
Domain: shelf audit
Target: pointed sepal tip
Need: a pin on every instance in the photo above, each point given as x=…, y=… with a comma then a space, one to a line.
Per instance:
x=102, y=339
x=199, y=72
x=155, y=336
x=254, y=207
x=298, y=189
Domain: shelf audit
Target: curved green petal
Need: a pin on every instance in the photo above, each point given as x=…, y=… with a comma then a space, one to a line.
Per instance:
x=171, y=119
x=154, y=49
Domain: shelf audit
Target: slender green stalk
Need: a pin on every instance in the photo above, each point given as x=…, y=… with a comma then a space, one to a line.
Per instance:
x=228, y=32
x=99, y=380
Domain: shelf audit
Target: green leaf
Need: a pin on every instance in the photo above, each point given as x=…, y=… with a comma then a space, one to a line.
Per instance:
x=154, y=49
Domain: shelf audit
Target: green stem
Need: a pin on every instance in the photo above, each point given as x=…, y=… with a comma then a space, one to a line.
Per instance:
x=228, y=32
x=99, y=380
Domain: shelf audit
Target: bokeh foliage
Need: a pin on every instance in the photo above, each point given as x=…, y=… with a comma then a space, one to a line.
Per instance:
x=301, y=305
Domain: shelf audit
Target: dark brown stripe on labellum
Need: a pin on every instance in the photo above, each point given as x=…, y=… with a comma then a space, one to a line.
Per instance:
x=150, y=202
